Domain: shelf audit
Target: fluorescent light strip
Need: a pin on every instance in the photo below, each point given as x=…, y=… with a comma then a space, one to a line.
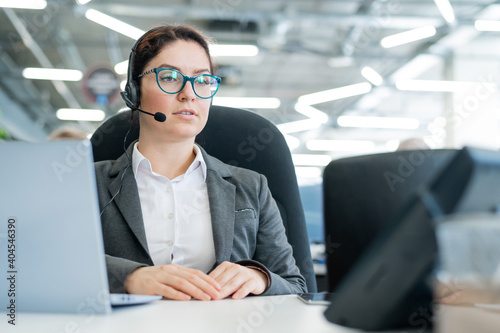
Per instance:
x=378, y=122
x=298, y=126
x=52, y=74
x=340, y=145
x=336, y=93
x=80, y=114
x=248, y=102
x=24, y=4
x=82, y=2
x=311, y=112
x=121, y=68
x=311, y=159
x=217, y=50
x=372, y=75
x=114, y=24
x=408, y=36
x=446, y=10
x=435, y=85
x=487, y=25
x=308, y=172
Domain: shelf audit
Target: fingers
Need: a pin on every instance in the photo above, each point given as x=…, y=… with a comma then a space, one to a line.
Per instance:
x=224, y=272
x=244, y=290
x=191, y=282
x=238, y=281
x=171, y=293
x=173, y=282
x=206, y=278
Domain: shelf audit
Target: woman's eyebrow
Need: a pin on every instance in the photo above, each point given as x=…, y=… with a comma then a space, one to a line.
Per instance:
x=198, y=71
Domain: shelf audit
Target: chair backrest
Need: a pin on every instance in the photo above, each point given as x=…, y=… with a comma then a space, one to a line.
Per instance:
x=241, y=138
x=361, y=194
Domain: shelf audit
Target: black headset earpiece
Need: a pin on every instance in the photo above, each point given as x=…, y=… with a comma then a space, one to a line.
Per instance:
x=132, y=94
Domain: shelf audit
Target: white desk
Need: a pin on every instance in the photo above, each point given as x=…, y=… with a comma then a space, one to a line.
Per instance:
x=272, y=314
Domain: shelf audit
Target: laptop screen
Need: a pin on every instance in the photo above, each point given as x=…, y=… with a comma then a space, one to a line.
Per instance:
x=50, y=233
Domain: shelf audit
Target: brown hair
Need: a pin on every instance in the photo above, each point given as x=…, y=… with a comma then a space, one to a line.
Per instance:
x=156, y=39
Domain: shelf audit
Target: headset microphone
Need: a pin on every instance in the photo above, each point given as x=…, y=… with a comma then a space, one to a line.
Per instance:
x=158, y=115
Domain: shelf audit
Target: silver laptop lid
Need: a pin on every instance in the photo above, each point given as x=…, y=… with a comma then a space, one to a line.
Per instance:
x=51, y=246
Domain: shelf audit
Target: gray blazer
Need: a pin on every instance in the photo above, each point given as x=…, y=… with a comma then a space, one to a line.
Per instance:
x=246, y=223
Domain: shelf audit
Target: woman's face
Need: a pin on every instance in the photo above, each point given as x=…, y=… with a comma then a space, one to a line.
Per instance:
x=186, y=114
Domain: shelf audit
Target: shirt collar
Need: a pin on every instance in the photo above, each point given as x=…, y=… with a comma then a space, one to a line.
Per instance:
x=139, y=160
x=198, y=161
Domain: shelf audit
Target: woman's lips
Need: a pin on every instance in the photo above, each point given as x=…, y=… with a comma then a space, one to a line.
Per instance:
x=186, y=114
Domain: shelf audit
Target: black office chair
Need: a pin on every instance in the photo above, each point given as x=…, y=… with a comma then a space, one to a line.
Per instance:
x=243, y=139
x=361, y=195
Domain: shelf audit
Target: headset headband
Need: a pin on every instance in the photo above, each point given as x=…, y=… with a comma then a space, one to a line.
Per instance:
x=132, y=94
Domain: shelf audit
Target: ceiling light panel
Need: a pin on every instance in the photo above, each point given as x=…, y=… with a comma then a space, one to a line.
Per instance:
x=52, y=74
x=408, y=36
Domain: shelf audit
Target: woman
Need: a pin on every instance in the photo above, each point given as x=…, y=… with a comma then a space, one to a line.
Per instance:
x=176, y=221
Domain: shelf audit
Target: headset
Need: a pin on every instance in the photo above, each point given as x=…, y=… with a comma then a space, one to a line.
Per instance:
x=132, y=93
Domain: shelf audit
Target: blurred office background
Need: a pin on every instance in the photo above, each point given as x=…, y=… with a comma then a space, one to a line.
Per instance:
x=389, y=69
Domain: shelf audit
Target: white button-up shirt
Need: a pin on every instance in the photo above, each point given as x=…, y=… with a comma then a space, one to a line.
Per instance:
x=176, y=214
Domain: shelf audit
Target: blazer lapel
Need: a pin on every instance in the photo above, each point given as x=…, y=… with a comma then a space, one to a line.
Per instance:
x=221, y=197
x=127, y=200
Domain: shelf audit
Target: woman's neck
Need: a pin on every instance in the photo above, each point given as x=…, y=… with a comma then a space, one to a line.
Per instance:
x=170, y=159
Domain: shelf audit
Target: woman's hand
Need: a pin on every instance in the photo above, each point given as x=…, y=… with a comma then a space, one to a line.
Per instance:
x=238, y=280
x=173, y=282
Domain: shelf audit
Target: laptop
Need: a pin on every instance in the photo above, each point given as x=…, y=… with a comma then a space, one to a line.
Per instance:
x=51, y=246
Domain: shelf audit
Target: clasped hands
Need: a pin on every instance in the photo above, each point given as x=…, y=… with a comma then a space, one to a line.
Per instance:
x=182, y=283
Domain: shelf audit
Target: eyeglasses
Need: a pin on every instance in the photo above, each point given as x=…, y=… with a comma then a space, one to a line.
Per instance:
x=172, y=81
